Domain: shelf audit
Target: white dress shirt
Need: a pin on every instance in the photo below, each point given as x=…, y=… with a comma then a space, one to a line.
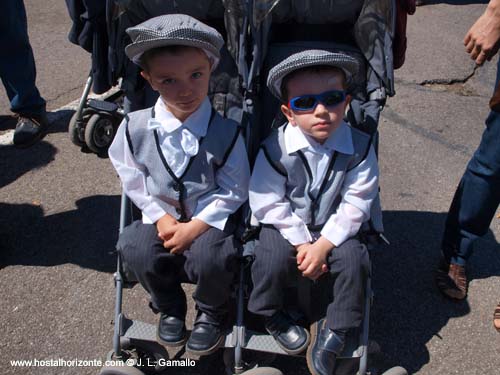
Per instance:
x=179, y=142
x=267, y=188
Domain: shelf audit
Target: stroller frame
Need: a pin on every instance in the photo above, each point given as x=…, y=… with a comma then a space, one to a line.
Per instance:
x=136, y=334
x=132, y=333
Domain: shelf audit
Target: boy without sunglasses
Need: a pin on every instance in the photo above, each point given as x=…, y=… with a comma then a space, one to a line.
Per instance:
x=185, y=167
x=312, y=187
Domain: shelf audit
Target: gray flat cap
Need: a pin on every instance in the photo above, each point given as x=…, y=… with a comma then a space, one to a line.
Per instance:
x=308, y=58
x=173, y=29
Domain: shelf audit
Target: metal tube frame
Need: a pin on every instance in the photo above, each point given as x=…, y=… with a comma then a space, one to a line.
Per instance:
x=363, y=362
x=240, y=328
x=83, y=99
x=124, y=219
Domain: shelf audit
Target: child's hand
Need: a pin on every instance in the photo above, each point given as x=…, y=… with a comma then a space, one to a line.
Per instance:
x=312, y=258
x=301, y=252
x=182, y=235
x=163, y=224
x=314, y=263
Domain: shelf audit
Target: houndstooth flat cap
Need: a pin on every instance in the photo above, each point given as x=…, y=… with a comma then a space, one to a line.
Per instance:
x=307, y=58
x=173, y=29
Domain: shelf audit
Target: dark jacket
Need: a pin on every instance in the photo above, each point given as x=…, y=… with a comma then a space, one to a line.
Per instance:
x=89, y=31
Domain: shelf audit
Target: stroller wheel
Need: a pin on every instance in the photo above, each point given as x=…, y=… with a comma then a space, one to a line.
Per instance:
x=120, y=370
x=76, y=128
x=251, y=361
x=398, y=370
x=99, y=132
x=147, y=358
x=263, y=371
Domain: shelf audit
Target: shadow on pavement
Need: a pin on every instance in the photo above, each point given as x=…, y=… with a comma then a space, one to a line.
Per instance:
x=408, y=310
x=7, y=122
x=58, y=121
x=15, y=162
x=85, y=236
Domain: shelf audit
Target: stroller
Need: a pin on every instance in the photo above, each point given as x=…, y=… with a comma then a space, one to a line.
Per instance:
x=95, y=121
x=259, y=34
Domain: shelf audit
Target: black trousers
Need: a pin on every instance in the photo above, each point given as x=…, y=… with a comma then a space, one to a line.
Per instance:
x=210, y=263
x=275, y=268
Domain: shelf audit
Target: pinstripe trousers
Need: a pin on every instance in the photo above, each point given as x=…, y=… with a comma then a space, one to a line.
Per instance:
x=210, y=263
x=275, y=269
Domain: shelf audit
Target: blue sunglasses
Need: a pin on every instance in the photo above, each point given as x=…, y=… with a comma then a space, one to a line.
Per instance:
x=309, y=102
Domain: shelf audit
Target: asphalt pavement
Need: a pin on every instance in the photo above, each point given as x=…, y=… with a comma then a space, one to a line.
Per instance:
x=59, y=211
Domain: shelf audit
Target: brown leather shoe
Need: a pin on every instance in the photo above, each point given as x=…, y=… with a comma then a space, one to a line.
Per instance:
x=496, y=318
x=451, y=280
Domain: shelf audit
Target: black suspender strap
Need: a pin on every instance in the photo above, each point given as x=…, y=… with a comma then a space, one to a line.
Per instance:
x=364, y=156
x=127, y=135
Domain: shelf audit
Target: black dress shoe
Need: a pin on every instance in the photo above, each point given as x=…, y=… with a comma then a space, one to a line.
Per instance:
x=324, y=349
x=291, y=337
x=206, y=336
x=171, y=330
x=29, y=130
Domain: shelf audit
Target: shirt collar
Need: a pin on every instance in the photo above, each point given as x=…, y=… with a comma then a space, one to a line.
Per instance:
x=196, y=123
x=340, y=140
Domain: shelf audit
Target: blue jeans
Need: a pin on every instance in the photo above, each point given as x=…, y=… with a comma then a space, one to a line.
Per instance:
x=17, y=64
x=478, y=195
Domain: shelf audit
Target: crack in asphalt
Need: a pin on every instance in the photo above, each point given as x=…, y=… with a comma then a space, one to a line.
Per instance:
x=453, y=85
x=449, y=81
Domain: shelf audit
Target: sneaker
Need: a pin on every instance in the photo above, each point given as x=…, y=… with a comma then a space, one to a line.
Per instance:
x=29, y=130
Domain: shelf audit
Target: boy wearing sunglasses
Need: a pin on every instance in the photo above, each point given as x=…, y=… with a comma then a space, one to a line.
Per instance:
x=312, y=187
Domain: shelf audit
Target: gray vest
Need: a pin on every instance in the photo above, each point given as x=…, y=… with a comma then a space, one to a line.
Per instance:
x=314, y=210
x=199, y=177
